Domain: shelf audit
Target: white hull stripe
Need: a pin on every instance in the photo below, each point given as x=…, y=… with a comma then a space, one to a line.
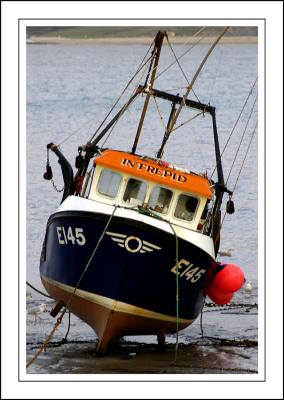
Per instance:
x=115, y=305
x=74, y=203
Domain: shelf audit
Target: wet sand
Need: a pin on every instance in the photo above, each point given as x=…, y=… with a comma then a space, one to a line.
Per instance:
x=138, y=40
x=232, y=348
x=133, y=358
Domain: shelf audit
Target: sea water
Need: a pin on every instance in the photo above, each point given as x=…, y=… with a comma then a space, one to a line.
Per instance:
x=71, y=88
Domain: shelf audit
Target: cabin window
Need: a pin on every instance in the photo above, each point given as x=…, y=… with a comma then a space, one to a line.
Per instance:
x=203, y=216
x=109, y=183
x=160, y=199
x=186, y=207
x=206, y=209
x=135, y=192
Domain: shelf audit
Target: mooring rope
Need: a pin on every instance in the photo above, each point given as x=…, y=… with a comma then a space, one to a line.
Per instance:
x=155, y=215
x=45, y=343
x=59, y=320
x=92, y=256
x=37, y=290
x=201, y=325
x=68, y=329
x=177, y=291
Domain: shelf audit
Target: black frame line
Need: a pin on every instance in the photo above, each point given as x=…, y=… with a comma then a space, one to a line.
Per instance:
x=19, y=196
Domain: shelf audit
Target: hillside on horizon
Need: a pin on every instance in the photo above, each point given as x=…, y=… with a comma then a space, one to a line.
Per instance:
x=132, y=31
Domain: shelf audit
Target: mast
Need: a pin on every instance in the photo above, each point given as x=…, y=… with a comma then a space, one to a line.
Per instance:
x=156, y=51
x=189, y=88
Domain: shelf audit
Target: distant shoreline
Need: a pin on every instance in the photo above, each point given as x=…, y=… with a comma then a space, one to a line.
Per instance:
x=138, y=40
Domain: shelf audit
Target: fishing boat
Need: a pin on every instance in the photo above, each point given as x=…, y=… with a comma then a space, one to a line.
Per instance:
x=132, y=248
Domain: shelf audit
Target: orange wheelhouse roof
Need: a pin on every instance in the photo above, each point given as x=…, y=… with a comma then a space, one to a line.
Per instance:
x=150, y=170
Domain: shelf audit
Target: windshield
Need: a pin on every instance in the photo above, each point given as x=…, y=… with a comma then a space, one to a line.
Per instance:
x=160, y=199
x=135, y=192
x=186, y=207
x=109, y=183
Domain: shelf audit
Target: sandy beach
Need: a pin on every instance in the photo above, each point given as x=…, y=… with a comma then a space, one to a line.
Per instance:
x=138, y=40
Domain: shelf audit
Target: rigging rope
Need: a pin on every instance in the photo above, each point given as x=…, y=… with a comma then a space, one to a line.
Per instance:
x=159, y=112
x=175, y=89
x=123, y=109
x=219, y=57
x=76, y=131
x=189, y=88
x=180, y=67
x=242, y=165
x=176, y=61
x=239, y=116
x=238, y=149
x=91, y=119
x=142, y=64
x=189, y=120
x=200, y=39
x=245, y=156
x=124, y=90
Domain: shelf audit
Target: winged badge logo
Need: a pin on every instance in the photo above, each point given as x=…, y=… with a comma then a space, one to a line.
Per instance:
x=133, y=244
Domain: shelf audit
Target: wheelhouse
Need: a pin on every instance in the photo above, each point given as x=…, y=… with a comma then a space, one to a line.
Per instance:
x=134, y=182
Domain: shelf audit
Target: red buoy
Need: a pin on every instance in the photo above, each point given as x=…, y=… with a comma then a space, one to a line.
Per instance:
x=230, y=279
x=227, y=281
x=219, y=297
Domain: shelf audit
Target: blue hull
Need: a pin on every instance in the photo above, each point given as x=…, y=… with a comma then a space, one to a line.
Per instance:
x=133, y=264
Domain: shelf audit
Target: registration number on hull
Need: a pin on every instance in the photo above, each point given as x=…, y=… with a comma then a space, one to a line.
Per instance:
x=187, y=270
x=70, y=235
